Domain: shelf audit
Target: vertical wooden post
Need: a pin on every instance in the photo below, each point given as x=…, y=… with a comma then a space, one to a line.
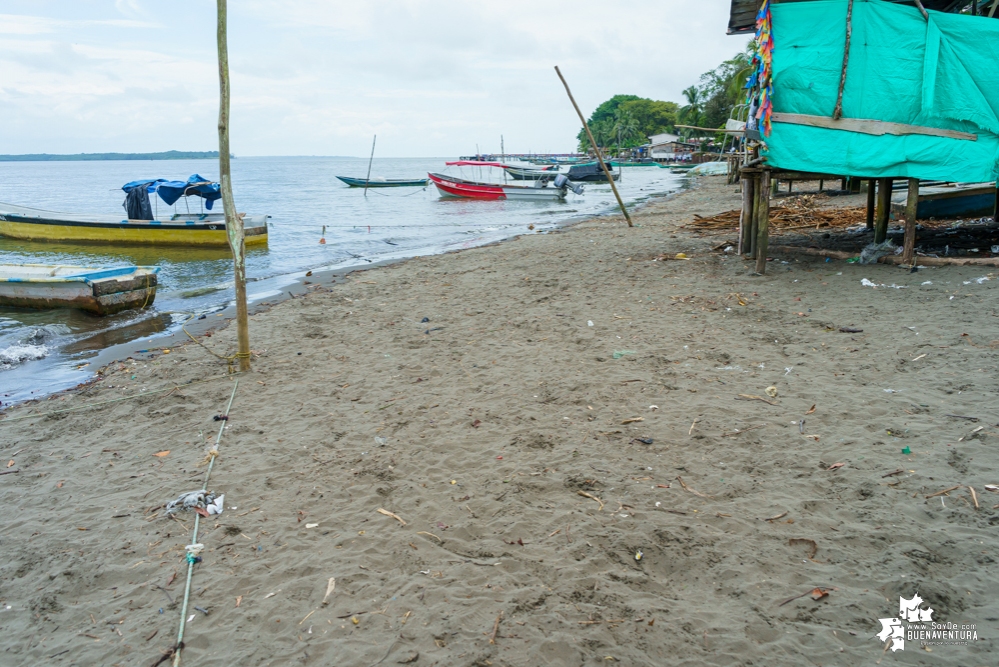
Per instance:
x=746, y=218
x=763, y=215
x=233, y=221
x=870, y=202
x=911, y=204
x=600, y=159
x=838, y=111
x=883, y=210
x=754, y=223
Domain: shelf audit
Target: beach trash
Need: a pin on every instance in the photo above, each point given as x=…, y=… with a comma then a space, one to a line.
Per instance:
x=906, y=450
x=620, y=353
x=771, y=392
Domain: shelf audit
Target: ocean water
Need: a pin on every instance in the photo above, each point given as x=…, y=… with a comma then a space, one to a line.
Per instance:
x=45, y=351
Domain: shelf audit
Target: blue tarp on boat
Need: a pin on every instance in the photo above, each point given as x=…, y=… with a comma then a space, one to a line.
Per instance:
x=171, y=191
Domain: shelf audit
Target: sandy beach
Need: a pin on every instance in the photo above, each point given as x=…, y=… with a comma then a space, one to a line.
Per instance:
x=578, y=459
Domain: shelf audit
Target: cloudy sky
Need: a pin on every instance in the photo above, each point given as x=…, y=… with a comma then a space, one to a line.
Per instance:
x=319, y=77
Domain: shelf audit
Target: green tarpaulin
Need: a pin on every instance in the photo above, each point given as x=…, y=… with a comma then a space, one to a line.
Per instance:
x=941, y=73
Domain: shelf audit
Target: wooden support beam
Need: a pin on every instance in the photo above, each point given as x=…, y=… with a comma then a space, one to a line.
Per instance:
x=756, y=217
x=869, y=126
x=746, y=218
x=763, y=224
x=870, y=202
x=911, y=204
x=883, y=210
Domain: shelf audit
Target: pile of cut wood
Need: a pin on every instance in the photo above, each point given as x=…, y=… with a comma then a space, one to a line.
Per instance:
x=794, y=214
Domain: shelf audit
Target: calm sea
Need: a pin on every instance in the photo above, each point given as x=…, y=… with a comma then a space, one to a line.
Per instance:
x=45, y=351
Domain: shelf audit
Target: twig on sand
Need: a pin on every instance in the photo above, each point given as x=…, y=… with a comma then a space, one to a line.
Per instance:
x=774, y=518
x=893, y=472
x=492, y=637
x=687, y=488
x=691, y=430
x=751, y=397
x=633, y=420
x=817, y=593
x=592, y=497
x=944, y=492
x=974, y=496
x=10, y=472
x=423, y=532
x=391, y=514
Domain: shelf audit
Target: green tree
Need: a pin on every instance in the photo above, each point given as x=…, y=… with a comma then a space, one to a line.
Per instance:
x=652, y=116
x=626, y=128
x=603, y=112
x=692, y=111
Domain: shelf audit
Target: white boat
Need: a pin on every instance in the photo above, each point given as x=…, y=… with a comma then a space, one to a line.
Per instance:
x=101, y=291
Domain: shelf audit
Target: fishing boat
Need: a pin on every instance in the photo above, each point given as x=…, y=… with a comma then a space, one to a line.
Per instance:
x=101, y=291
x=449, y=186
x=591, y=172
x=379, y=182
x=522, y=174
x=143, y=224
x=645, y=162
x=949, y=201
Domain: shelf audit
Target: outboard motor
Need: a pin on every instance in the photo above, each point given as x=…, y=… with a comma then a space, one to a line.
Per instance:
x=563, y=183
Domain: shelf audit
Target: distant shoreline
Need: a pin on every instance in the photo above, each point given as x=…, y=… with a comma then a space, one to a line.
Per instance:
x=88, y=157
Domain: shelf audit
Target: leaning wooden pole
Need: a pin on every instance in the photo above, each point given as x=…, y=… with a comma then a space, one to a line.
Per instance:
x=600, y=159
x=838, y=111
x=746, y=217
x=371, y=159
x=233, y=221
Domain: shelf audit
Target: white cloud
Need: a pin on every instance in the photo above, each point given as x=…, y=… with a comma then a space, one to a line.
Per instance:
x=320, y=77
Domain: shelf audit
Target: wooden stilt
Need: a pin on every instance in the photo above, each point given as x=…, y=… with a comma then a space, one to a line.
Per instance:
x=909, y=247
x=883, y=210
x=774, y=186
x=870, y=203
x=746, y=219
x=763, y=224
x=821, y=184
x=790, y=186
x=756, y=215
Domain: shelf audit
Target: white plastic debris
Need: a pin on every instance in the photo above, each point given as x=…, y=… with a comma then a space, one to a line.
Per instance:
x=589, y=323
x=215, y=507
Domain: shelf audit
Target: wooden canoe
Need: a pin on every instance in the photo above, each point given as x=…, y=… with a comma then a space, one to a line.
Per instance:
x=384, y=182
x=102, y=291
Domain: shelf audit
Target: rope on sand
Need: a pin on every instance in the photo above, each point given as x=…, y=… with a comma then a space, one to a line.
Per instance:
x=192, y=556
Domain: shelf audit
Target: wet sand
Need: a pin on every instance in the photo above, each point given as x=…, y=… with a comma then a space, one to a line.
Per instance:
x=548, y=367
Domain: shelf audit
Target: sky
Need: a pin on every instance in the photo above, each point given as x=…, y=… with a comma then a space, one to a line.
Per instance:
x=320, y=77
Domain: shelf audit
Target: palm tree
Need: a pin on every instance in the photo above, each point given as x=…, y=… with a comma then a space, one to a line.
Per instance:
x=625, y=127
x=691, y=113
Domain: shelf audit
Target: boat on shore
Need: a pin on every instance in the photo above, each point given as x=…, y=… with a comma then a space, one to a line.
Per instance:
x=949, y=201
x=143, y=225
x=101, y=291
x=450, y=186
x=379, y=182
x=648, y=162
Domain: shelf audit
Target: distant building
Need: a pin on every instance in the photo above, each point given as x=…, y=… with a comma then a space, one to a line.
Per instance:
x=667, y=147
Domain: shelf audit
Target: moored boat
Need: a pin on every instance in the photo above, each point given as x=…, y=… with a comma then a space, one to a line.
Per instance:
x=592, y=172
x=449, y=186
x=522, y=174
x=646, y=162
x=101, y=291
x=143, y=224
x=379, y=182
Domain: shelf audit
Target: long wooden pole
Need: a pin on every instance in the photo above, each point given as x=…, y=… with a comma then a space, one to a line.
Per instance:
x=911, y=206
x=883, y=210
x=600, y=159
x=838, y=111
x=763, y=226
x=370, y=160
x=233, y=221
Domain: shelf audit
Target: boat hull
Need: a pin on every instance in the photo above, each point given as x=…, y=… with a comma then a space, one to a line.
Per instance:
x=389, y=183
x=98, y=291
x=180, y=230
x=949, y=202
x=461, y=189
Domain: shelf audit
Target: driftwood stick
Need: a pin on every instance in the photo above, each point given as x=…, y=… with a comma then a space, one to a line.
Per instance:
x=492, y=637
x=940, y=493
x=838, y=111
